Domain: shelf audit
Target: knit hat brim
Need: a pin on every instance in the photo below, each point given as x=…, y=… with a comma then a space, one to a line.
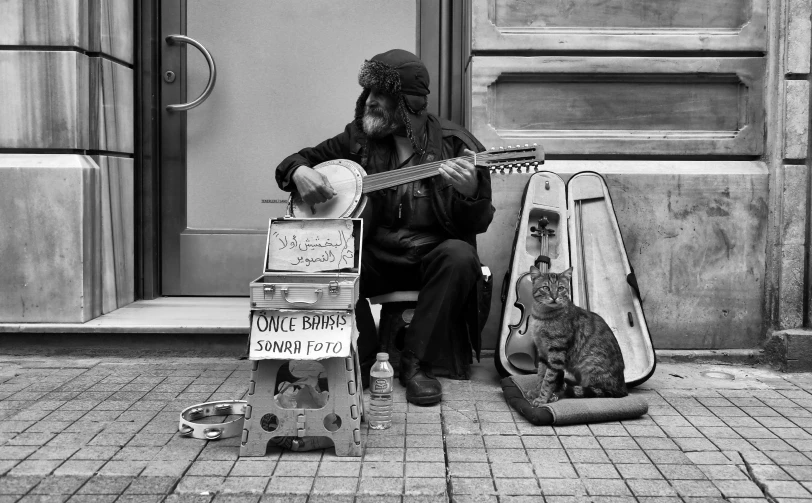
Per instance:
x=395, y=72
x=380, y=76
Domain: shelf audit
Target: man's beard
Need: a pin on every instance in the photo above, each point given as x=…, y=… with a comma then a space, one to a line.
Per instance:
x=380, y=122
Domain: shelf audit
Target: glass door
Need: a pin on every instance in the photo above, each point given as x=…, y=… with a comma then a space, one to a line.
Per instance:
x=285, y=77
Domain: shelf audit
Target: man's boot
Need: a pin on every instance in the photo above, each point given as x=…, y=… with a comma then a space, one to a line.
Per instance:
x=422, y=388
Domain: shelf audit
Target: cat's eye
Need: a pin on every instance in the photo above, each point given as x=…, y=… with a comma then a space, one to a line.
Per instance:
x=561, y=288
x=545, y=288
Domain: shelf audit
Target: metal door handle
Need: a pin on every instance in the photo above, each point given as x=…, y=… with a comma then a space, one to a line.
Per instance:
x=173, y=39
x=317, y=291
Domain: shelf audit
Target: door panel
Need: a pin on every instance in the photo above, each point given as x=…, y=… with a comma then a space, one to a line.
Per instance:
x=286, y=79
x=618, y=105
x=618, y=25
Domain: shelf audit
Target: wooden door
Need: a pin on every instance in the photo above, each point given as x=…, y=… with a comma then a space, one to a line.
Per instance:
x=665, y=98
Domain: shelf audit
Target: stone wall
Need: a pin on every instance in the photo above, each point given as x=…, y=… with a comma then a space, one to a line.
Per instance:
x=67, y=130
x=788, y=146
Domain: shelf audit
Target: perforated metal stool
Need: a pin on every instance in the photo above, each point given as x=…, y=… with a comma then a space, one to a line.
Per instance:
x=339, y=419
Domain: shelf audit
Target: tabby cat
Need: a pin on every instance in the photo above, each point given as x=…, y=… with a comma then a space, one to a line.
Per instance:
x=571, y=339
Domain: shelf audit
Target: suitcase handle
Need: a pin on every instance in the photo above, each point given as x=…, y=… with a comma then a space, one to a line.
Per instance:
x=317, y=291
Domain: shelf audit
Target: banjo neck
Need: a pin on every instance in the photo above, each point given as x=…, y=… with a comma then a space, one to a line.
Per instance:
x=491, y=159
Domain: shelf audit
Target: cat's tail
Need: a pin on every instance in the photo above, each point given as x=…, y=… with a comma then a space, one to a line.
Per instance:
x=575, y=391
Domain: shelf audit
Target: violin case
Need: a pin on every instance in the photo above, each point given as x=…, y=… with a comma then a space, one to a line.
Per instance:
x=584, y=233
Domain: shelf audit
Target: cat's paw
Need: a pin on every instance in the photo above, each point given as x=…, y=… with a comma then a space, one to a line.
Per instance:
x=553, y=398
x=538, y=402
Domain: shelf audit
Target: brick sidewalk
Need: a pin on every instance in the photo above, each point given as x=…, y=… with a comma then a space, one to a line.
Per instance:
x=106, y=430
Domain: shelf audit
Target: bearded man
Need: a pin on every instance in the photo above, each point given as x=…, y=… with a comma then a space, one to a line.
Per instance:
x=420, y=235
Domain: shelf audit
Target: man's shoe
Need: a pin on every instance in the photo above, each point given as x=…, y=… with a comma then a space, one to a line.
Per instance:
x=422, y=388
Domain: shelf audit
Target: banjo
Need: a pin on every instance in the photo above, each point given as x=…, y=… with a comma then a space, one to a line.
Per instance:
x=352, y=184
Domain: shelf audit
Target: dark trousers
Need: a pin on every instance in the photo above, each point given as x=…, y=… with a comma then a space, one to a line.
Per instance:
x=445, y=277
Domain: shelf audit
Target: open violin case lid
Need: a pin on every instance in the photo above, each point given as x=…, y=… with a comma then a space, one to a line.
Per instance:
x=580, y=227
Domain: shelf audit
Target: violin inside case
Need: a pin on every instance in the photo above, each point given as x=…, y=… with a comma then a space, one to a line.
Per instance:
x=582, y=230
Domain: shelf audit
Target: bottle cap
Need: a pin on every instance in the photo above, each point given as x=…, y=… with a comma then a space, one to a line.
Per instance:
x=382, y=357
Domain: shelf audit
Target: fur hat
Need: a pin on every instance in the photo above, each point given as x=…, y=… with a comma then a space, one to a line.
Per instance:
x=400, y=74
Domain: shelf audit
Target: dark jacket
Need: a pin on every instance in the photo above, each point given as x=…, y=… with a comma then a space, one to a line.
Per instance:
x=460, y=217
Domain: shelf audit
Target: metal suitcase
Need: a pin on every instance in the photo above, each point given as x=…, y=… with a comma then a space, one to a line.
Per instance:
x=316, y=286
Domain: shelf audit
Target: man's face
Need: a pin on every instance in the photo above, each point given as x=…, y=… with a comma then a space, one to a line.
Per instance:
x=380, y=115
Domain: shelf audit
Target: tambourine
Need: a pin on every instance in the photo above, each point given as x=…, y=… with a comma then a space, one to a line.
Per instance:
x=212, y=431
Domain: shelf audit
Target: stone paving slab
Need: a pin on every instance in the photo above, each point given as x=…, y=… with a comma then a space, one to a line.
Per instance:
x=105, y=430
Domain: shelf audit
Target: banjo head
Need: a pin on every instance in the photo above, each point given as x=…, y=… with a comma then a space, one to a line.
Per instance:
x=346, y=177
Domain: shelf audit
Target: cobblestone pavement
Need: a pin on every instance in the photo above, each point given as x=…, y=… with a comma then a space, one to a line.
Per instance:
x=106, y=430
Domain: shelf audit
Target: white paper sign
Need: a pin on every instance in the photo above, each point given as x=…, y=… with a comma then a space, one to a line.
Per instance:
x=311, y=245
x=300, y=335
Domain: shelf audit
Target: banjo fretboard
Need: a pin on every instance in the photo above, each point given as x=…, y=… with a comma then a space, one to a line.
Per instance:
x=495, y=158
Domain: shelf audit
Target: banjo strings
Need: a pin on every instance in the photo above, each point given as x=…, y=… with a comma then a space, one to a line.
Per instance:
x=386, y=179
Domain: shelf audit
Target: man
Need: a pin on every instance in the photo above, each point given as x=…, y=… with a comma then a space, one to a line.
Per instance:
x=420, y=235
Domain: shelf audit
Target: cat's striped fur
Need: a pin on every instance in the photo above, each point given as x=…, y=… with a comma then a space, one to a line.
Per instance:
x=571, y=340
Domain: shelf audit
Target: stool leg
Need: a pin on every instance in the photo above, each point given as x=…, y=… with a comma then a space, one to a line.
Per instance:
x=358, y=379
x=261, y=402
x=341, y=412
x=347, y=405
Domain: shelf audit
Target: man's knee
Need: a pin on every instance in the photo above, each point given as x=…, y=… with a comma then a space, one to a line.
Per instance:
x=458, y=255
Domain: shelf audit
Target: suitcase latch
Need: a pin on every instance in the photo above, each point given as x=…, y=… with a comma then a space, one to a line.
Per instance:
x=269, y=290
x=332, y=287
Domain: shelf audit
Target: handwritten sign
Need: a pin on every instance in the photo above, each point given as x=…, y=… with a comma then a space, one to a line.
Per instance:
x=300, y=335
x=311, y=245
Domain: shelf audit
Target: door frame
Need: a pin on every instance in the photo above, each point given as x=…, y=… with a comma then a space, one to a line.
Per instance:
x=173, y=144
x=442, y=42
x=147, y=150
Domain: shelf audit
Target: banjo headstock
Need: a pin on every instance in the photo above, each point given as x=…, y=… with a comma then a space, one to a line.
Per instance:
x=518, y=159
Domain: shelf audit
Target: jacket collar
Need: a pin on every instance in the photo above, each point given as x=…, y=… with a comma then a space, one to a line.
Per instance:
x=434, y=146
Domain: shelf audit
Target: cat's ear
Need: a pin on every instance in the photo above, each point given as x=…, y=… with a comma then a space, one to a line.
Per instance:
x=534, y=272
x=567, y=274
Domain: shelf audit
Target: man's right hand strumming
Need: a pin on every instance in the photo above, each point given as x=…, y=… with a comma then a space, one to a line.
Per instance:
x=312, y=186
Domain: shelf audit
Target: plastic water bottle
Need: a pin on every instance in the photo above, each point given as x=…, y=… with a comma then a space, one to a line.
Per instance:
x=380, y=391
